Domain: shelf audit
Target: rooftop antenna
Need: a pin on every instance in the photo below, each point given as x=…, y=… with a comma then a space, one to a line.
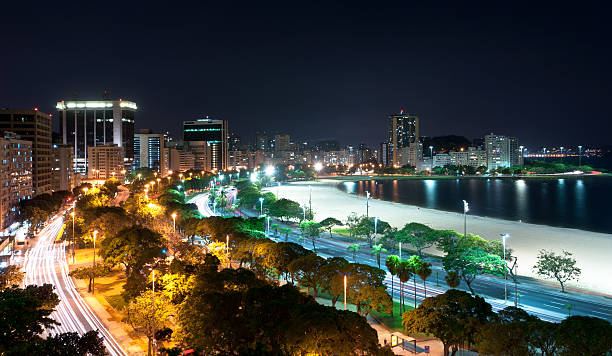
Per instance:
x=106, y=96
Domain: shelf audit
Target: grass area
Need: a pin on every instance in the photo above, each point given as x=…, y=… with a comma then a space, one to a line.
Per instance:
x=392, y=322
x=342, y=231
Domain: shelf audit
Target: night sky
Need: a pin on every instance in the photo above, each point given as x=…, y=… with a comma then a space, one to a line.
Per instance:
x=323, y=71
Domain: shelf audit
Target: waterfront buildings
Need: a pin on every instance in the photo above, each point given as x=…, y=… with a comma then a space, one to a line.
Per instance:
x=471, y=157
x=62, y=165
x=150, y=151
x=502, y=151
x=402, y=130
x=16, y=179
x=34, y=126
x=207, y=140
x=105, y=161
x=85, y=124
x=411, y=155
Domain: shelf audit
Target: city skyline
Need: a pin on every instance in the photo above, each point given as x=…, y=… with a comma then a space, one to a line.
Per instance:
x=462, y=72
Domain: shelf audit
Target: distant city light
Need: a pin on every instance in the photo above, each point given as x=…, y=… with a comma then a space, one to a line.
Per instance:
x=318, y=166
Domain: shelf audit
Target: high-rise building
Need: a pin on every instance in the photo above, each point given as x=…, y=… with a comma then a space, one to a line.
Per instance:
x=402, y=130
x=85, y=124
x=105, y=161
x=181, y=161
x=33, y=126
x=150, y=151
x=261, y=141
x=282, y=142
x=364, y=154
x=63, y=162
x=207, y=140
x=502, y=151
x=411, y=155
x=383, y=155
x=15, y=176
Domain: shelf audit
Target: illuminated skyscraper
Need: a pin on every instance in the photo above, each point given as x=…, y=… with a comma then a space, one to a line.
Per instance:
x=85, y=124
x=402, y=130
x=207, y=140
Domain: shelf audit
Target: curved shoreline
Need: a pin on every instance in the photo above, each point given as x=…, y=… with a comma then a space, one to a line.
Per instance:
x=591, y=249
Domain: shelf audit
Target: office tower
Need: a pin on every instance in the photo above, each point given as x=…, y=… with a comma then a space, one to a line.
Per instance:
x=234, y=143
x=207, y=140
x=15, y=176
x=63, y=163
x=411, y=155
x=282, y=142
x=364, y=154
x=150, y=151
x=33, y=126
x=181, y=161
x=502, y=151
x=85, y=124
x=402, y=130
x=105, y=161
x=383, y=155
x=261, y=141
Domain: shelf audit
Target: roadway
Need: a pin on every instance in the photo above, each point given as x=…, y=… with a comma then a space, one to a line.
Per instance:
x=536, y=297
x=46, y=262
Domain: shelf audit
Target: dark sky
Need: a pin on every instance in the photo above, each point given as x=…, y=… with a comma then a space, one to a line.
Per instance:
x=320, y=70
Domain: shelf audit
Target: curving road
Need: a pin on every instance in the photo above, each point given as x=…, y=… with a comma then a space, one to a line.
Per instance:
x=46, y=263
x=536, y=298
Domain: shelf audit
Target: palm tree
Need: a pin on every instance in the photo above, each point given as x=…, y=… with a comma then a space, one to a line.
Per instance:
x=404, y=275
x=424, y=272
x=377, y=250
x=392, y=264
x=354, y=248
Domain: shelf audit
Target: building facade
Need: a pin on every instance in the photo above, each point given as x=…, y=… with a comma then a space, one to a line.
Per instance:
x=105, y=161
x=33, y=126
x=502, y=151
x=402, y=130
x=16, y=179
x=150, y=152
x=63, y=163
x=207, y=140
x=85, y=124
x=181, y=161
x=471, y=157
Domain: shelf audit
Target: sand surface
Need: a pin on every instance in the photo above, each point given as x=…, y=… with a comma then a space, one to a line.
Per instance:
x=592, y=250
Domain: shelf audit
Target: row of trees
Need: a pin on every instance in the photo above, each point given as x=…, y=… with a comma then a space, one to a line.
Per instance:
x=460, y=319
x=38, y=209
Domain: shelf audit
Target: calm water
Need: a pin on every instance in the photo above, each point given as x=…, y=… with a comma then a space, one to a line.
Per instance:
x=582, y=203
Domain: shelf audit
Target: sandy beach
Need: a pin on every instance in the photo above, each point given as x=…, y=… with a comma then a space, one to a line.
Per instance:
x=593, y=251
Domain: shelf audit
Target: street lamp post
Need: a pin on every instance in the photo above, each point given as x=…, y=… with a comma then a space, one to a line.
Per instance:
x=154, y=319
x=466, y=208
x=310, y=198
x=174, y=222
x=229, y=262
x=375, y=227
x=504, y=237
x=515, y=283
x=431, y=157
x=268, y=226
x=367, y=203
x=93, y=269
x=261, y=200
x=345, y=292
x=304, y=209
x=579, y=156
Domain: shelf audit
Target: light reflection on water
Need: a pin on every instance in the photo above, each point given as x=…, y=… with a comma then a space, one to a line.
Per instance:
x=568, y=202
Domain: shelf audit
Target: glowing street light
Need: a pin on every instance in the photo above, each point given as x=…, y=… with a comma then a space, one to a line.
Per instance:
x=345, y=292
x=367, y=203
x=261, y=200
x=318, y=166
x=270, y=171
x=85, y=189
x=579, y=156
x=466, y=208
x=174, y=222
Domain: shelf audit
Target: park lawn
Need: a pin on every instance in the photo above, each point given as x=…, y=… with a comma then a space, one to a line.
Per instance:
x=342, y=231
